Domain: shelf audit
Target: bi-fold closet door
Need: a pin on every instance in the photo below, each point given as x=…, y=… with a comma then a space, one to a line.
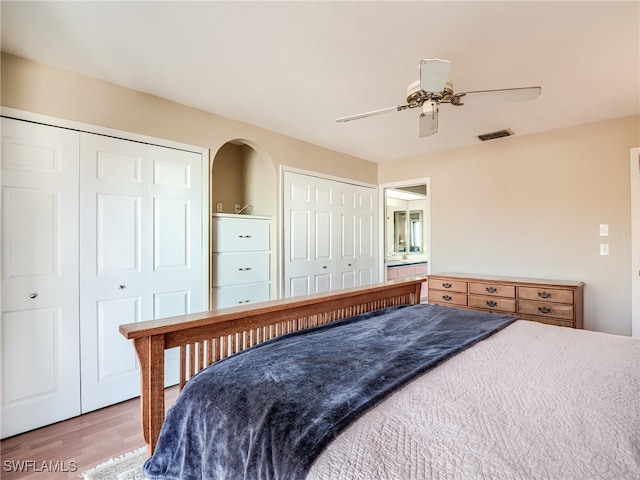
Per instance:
x=97, y=231
x=330, y=234
x=40, y=282
x=141, y=255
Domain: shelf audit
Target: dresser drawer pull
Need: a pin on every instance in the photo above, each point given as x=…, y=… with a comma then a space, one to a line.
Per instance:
x=244, y=236
x=491, y=303
x=447, y=285
x=244, y=269
x=244, y=301
x=491, y=290
x=544, y=294
x=447, y=298
x=544, y=309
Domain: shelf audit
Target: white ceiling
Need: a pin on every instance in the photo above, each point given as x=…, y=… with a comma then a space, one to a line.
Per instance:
x=294, y=67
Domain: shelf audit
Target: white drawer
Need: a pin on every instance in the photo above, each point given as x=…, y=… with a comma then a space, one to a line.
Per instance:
x=240, y=235
x=224, y=297
x=239, y=268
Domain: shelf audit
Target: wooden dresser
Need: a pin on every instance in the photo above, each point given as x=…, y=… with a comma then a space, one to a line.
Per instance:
x=555, y=302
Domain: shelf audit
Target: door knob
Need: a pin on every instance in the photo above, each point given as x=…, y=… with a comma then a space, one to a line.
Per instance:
x=121, y=287
x=33, y=295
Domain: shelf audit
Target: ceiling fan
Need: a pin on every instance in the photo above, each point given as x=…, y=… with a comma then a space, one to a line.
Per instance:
x=433, y=88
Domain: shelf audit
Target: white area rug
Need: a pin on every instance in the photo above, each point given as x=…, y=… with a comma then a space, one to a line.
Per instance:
x=124, y=467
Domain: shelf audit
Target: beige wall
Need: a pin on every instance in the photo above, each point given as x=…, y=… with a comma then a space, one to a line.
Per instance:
x=227, y=184
x=37, y=88
x=527, y=206
x=532, y=205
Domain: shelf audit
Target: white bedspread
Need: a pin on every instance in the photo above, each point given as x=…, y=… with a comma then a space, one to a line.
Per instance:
x=531, y=402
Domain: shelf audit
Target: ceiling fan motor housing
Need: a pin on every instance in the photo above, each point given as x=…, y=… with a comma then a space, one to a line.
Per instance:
x=416, y=96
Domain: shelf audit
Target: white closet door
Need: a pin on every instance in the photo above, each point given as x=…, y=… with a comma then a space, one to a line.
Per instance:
x=40, y=344
x=141, y=254
x=178, y=280
x=367, y=234
x=358, y=244
x=310, y=256
x=330, y=231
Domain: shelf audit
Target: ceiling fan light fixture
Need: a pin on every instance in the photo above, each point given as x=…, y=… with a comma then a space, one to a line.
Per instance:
x=428, y=121
x=497, y=134
x=430, y=109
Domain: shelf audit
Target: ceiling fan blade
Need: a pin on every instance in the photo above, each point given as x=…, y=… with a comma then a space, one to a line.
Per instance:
x=428, y=121
x=434, y=74
x=521, y=94
x=373, y=113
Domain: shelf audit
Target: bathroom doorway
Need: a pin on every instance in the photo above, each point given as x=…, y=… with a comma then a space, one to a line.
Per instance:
x=406, y=209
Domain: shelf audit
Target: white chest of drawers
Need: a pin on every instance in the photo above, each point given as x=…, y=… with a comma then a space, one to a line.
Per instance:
x=240, y=259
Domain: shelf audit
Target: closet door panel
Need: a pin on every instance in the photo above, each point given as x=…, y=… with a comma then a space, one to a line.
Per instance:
x=177, y=199
x=115, y=231
x=171, y=234
x=30, y=219
x=358, y=243
x=142, y=237
x=22, y=381
x=40, y=341
x=177, y=281
x=348, y=245
x=111, y=313
x=310, y=229
x=299, y=238
x=118, y=235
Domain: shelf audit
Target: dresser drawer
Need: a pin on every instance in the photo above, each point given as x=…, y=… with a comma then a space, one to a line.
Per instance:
x=445, y=297
x=237, y=268
x=239, y=235
x=493, y=303
x=546, y=309
x=224, y=297
x=508, y=291
x=548, y=320
x=542, y=294
x=448, y=284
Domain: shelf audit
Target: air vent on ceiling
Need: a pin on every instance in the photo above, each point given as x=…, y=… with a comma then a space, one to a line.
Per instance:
x=493, y=135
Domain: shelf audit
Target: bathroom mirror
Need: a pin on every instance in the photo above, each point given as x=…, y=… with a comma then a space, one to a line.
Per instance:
x=400, y=231
x=407, y=235
x=405, y=227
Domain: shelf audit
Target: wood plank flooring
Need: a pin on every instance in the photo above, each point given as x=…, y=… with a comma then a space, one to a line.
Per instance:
x=66, y=449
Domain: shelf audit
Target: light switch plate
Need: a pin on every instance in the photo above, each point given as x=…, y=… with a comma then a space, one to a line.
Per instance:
x=604, y=229
x=604, y=249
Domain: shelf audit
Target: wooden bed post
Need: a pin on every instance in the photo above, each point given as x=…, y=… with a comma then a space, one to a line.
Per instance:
x=236, y=328
x=150, y=352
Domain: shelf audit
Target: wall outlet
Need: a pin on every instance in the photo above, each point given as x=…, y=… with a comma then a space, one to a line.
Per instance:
x=604, y=229
x=219, y=207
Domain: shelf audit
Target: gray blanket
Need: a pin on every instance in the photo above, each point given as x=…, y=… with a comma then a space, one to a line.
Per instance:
x=266, y=413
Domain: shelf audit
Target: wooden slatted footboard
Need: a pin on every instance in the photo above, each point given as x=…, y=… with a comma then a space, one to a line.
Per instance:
x=207, y=337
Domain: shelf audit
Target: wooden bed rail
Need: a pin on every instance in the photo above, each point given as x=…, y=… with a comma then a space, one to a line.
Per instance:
x=207, y=337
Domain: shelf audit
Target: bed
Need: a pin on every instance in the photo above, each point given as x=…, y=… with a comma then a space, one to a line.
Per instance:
x=514, y=399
